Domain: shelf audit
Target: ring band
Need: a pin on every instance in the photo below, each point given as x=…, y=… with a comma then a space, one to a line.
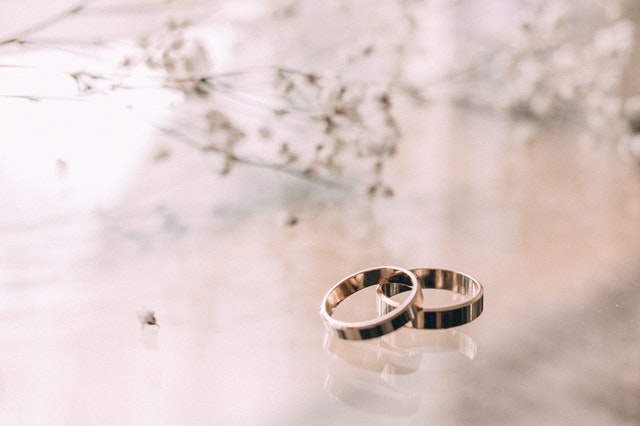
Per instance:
x=392, y=319
x=436, y=318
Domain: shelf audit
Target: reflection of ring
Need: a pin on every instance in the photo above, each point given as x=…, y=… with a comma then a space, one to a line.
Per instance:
x=446, y=363
x=368, y=391
x=435, y=341
x=450, y=316
x=373, y=355
x=405, y=361
x=401, y=351
x=390, y=320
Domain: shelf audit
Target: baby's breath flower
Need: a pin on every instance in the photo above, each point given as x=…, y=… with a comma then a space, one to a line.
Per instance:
x=546, y=72
x=180, y=54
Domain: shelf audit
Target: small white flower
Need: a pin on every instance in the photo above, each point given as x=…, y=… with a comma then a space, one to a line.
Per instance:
x=541, y=104
x=554, y=16
x=615, y=39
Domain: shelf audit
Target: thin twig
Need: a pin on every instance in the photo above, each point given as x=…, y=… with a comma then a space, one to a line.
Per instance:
x=39, y=98
x=18, y=38
x=185, y=139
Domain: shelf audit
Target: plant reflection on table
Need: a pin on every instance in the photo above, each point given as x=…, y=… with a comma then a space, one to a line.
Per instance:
x=391, y=374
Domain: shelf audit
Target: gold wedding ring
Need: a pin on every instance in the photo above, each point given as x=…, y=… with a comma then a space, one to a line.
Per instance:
x=392, y=319
x=440, y=317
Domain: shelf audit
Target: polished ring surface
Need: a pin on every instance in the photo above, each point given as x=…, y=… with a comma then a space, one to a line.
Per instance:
x=440, y=317
x=392, y=319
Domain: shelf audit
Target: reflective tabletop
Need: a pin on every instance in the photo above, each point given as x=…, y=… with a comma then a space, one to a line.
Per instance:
x=138, y=292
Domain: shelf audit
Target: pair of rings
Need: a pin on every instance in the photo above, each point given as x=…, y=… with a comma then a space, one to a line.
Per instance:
x=391, y=281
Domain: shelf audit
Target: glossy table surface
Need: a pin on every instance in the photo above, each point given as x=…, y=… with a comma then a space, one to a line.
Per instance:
x=550, y=227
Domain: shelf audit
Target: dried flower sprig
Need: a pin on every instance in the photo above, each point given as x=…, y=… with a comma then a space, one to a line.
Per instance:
x=330, y=125
x=334, y=125
x=181, y=56
x=146, y=316
x=546, y=72
x=326, y=126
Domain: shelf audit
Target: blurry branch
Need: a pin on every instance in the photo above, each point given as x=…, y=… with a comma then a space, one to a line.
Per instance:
x=39, y=98
x=52, y=20
x=232, y=157
x=318, y=126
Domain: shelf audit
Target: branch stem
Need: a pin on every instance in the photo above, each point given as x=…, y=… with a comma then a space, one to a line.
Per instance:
x=19, y=38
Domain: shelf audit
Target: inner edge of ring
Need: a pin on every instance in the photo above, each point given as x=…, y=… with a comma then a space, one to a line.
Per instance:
x=435, y=279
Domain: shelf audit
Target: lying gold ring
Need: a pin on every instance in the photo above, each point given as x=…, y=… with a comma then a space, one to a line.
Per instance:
x=387, y=322
x=434, y=318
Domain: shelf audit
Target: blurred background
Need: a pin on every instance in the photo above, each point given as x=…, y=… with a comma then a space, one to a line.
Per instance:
x=215, y=167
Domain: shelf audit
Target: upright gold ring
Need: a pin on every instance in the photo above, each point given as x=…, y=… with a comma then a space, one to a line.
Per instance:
x=440, y=317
